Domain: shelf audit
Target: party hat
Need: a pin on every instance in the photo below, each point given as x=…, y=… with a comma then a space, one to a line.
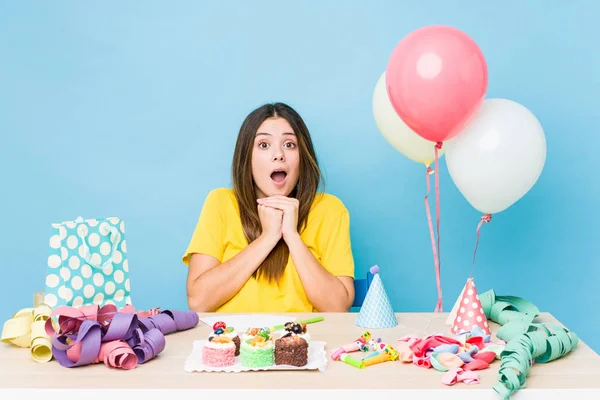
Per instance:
x=470, y=313
x=376, y=311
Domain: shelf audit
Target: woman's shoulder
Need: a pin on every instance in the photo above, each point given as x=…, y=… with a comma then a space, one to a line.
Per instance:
x=219, y=198
x=221, y=193
x=328, y=204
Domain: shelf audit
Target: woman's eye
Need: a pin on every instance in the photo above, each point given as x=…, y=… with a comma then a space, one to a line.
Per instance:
x=263, y=145
x=290, y=145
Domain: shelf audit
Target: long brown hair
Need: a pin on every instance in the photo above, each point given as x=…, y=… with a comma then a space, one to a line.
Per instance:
x=309, y=179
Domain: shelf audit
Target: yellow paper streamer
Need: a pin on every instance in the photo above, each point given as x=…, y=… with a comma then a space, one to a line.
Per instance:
x=26, y=329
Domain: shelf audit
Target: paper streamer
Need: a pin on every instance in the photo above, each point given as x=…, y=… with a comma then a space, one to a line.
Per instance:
x=26, y=329
x=119, y=338
x=526, y=342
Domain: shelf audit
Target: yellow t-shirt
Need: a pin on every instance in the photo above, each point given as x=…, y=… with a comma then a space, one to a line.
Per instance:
x=219, y=233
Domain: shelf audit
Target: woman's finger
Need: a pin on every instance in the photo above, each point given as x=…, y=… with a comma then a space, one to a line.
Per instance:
x=278, y=204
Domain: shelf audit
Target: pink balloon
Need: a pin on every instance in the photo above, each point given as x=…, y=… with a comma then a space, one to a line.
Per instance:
x=436, y=80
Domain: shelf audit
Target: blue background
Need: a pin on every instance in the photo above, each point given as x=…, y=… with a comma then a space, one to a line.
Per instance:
x=118, y=109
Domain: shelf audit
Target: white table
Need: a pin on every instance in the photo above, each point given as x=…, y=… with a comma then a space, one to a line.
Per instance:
x=576, y=375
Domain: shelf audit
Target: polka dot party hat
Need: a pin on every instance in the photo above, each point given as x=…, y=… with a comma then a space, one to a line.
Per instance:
x=469, y=312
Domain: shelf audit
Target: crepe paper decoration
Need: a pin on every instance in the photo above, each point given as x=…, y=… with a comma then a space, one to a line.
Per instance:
x=346, y=358
x=456, y=375
x=26, y=329
x=359, y=344
x=470, y=312
x=376, y=311
x=118, y=338
x=527, y=342
x=115, y=354
x=306, y=321
x=541, y=345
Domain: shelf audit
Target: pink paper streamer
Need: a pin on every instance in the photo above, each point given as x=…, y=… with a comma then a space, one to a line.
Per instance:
x=118, y=338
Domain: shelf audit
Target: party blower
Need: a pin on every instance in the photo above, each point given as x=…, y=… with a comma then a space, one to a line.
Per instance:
x=359, y=344
x=375, y=345
x=387, y=354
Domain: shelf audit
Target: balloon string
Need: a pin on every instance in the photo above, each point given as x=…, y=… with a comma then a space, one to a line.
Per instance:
x=484, y=219
x=438, y=147
x=438, y=307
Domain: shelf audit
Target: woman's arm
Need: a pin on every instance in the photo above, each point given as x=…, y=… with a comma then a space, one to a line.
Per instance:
x=210, y=283
x=325, y=291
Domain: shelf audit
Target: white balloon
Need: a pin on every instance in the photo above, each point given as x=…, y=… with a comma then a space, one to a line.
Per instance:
x=498, y=157
x=395, y=130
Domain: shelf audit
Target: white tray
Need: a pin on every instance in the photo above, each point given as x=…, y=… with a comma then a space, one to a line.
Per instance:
x=317, y=359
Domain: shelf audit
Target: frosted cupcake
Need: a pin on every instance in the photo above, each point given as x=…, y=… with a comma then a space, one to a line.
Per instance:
x=257, y=349
x=292, y=347
x=220, y=328
x=219, y=351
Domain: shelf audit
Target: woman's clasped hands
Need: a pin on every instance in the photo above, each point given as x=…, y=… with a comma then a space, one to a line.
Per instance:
x=278, y=216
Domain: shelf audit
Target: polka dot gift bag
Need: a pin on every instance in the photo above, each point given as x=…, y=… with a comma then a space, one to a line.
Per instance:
x=87, y=264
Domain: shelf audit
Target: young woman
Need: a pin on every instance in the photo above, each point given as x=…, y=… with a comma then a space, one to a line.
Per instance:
x=272, y=243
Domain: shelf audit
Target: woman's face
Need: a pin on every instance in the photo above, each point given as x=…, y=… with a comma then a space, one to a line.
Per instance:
x=275, y=158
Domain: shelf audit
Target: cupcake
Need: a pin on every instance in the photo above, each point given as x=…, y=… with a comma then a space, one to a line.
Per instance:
x=229, y=332
x=257, y=349
x=292, y=347
x=219, y=351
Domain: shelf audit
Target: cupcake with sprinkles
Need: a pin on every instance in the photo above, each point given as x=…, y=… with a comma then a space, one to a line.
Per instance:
x=219, y=351
x=292, y=347
x=257, y=349
x=229, y=332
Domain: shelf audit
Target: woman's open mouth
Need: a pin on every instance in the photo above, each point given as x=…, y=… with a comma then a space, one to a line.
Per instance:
x=278, y=176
